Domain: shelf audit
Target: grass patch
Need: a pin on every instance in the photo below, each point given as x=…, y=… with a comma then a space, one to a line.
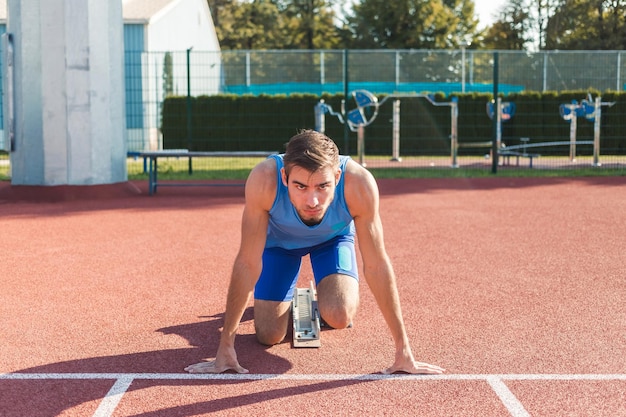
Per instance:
x=4, y=166
x=400, y=173
x=177, y=169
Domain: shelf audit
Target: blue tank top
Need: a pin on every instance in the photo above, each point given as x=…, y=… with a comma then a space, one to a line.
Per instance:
x=286, y=230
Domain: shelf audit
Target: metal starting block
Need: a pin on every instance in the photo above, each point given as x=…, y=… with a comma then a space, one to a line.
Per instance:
x=306, y=318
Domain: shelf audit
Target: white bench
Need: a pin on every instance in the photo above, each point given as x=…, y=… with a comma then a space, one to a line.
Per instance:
x=508, y=154
x=153, y=157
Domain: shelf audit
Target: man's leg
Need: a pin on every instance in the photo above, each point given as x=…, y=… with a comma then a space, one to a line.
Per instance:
x=273, y=294
x=271, y=320
x=337, y=280
x=338, y=299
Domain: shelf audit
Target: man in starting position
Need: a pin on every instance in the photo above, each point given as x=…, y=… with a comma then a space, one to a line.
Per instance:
x=310, y=200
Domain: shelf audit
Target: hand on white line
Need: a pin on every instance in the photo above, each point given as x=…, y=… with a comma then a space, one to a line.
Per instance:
x=414, y=367
x=211, y=367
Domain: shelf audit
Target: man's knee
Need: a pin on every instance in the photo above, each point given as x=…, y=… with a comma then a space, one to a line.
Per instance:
x=271, y=319
x=337, y=318
x=338, y=297
x=270, y=337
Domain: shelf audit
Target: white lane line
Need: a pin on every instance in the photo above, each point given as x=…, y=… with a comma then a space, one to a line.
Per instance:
x=509, y=400
x=112, y=399
x=319, y=377
x=496, y=381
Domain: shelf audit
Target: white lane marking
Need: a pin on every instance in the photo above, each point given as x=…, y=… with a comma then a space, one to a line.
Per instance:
x=509, y=400
x=112, y=399
x=496, y=381
x=319, y=377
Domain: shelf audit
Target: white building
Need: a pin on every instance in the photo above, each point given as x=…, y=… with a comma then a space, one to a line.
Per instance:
x=152, y=30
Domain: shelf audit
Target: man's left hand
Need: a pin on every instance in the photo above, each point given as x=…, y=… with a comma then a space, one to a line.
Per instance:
x=410, y=366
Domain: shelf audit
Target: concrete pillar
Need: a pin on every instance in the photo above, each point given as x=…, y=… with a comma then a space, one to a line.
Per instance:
x=68, y=92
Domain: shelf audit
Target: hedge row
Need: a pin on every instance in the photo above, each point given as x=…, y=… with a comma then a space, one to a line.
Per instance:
x=253, y=123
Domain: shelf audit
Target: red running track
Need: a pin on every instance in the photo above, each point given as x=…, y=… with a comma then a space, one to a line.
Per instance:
x=516, y=286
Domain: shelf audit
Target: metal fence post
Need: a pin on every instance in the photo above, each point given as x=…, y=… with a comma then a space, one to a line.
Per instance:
x=189, y=125
x=596, y=132
x=395, y=132
x=494, y=133
x=454, y=135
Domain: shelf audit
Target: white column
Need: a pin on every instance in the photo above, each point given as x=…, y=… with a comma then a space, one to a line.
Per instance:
x=69, y=92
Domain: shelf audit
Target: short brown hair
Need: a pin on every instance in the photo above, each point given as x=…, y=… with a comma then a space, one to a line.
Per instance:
x=312, y=151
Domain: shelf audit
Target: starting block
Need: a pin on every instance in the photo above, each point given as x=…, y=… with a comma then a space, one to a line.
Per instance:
x=306, y=318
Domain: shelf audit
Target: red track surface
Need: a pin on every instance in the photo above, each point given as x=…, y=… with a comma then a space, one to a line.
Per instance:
x=516, y=286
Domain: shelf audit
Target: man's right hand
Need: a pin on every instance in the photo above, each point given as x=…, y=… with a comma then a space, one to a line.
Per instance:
x=222, y=363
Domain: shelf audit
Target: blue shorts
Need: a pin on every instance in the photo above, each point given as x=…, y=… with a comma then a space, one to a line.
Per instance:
x=281, y=267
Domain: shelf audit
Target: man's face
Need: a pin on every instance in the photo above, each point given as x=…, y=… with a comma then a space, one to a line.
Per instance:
x=311, y=192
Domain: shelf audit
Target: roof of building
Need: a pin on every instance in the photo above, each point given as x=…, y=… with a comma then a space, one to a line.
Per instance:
x=132, y=9
x=143, y=9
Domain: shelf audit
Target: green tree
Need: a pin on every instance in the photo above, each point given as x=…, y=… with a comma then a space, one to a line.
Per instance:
x=512, y=30
x=168, y=75
x=541, y=12
x=275, y=24
x=250, y=25
x=310, y=24
x=216, y=7
x=588, y=24
x=418, y=24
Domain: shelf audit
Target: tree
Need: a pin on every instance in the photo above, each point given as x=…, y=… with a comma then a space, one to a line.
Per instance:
x=250, y=25
x=168, y=75
x=406, y=24
x=585, y=24
x=541, y=10
x=310, y=24
x=512, y=30
x=216, y=7
x=275, y=24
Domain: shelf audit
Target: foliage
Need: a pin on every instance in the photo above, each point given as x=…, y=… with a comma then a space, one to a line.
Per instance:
x=511, y=30
x=309, y=24
x=254, y=25
x=584, y=24
x=264, y=123
x=168, y=74
x=418, y=24
x=559, y=24
x=263, y=24
x=411, y=24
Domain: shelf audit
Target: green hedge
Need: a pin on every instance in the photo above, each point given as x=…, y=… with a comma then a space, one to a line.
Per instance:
x=265, y=123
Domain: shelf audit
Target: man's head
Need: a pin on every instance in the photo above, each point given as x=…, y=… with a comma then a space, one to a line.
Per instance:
x=312, y=151
x=311, y=174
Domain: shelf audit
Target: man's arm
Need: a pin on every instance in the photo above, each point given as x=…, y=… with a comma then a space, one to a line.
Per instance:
x=260, y=193
x=362, y=198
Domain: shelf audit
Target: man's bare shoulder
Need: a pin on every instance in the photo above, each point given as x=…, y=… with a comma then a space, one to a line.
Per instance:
x=261, y=184
x=356, y=176
x=361, y=190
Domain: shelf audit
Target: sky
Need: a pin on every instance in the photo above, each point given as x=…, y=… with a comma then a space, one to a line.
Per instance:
x=485, y=10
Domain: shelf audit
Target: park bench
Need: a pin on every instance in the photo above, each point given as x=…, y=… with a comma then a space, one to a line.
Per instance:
x=152, y=158
x=518, y=152
x=506, y=157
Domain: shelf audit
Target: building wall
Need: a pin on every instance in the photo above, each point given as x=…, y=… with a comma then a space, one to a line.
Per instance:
x=181, y=25
x=193, y=28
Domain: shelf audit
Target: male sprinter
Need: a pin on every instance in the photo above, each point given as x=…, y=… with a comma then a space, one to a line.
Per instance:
x=310, y=200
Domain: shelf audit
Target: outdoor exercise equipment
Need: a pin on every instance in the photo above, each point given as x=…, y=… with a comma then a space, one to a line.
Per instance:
x=506, y=111
x=367, y=110
x=591, y=110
